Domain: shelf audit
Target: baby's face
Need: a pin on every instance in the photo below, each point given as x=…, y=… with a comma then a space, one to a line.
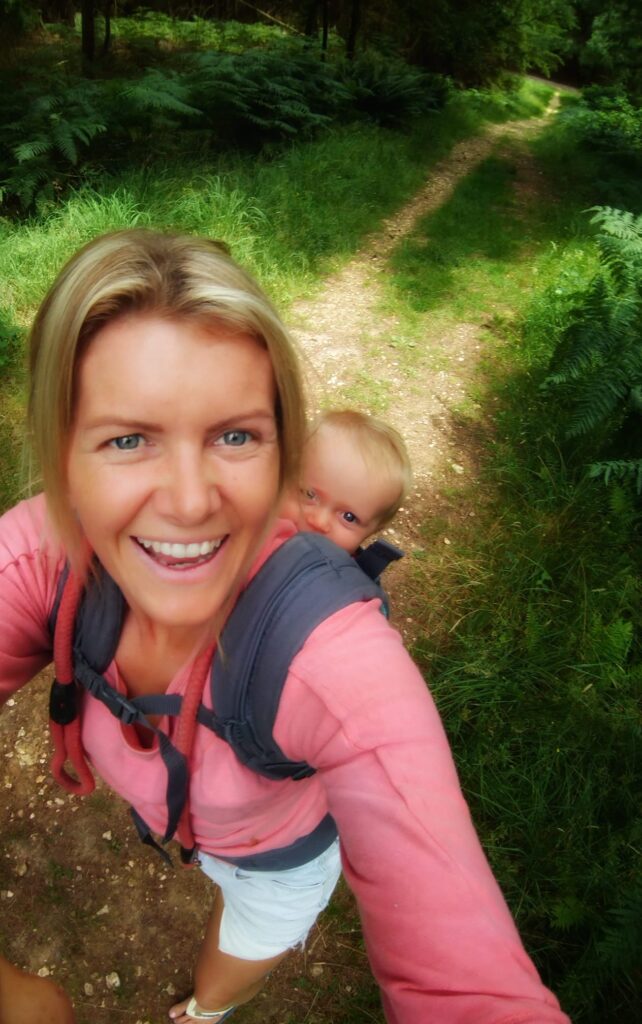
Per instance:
x=339, y=494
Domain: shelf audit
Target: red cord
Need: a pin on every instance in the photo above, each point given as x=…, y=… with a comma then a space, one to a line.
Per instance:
x=185, y=731
x=66, y=738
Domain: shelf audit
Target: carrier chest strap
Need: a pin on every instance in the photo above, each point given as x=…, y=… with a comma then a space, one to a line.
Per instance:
x=303, y=582
x=133, y=711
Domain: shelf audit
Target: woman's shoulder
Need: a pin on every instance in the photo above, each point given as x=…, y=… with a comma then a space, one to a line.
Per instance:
x=353, y=676
x=25, y=532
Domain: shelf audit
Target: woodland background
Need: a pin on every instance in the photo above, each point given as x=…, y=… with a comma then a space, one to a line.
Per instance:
x=292, y=132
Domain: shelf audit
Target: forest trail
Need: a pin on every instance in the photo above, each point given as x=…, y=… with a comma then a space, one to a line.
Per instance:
x=346, y=339
x=81, y=903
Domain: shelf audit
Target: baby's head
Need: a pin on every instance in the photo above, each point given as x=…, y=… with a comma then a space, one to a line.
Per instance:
x=355, y=473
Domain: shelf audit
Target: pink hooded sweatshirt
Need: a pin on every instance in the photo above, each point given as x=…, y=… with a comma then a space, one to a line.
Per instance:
x=441, y=941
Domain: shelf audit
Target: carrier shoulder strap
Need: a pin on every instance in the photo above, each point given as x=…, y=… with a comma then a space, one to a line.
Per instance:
x=303, y=582
x=99, y=620
x=300, y=585
x=377, y=557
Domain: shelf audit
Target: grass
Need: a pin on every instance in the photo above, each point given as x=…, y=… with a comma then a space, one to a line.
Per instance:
x=531, y=616
x=531, y=629
x=290, y=215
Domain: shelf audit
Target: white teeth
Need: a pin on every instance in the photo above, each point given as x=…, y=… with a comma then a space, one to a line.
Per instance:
x=173, y=550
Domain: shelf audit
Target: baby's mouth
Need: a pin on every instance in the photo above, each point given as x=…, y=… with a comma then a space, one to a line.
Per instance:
x=174, y=555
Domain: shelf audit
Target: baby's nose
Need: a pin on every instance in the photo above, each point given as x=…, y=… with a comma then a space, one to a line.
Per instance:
x=318, y=518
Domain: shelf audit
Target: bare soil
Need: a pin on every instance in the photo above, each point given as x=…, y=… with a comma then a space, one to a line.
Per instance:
x=80, y=900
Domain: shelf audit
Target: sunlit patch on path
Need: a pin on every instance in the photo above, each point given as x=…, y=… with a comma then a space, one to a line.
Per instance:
x=350, y=346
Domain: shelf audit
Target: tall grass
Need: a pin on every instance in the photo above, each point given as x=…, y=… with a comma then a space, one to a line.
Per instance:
x=532, y=630
x=287, y=214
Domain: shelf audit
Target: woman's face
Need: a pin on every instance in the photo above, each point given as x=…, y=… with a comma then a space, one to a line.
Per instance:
x=173, y=465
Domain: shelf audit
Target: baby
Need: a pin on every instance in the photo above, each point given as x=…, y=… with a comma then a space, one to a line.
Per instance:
x=355, y=473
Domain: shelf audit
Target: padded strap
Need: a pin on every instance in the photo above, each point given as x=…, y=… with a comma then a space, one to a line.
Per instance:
x=377, y=557
x=303, y=582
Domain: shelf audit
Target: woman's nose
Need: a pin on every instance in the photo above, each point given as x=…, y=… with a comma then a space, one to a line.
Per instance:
x=191, y=489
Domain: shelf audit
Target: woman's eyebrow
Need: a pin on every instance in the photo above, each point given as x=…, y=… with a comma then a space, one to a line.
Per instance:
x=133, y=423
x=115, y=421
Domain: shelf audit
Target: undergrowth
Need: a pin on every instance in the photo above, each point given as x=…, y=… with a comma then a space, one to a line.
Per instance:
x=58, y=127
x=532, y=636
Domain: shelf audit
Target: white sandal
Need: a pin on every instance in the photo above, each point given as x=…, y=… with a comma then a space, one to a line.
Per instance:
x=198, y=1013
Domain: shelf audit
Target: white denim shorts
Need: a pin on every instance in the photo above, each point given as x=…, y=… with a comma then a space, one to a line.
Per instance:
x=267, y=912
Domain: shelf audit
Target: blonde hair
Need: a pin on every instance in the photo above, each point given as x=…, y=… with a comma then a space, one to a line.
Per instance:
x=382, y=447
x=139, y=271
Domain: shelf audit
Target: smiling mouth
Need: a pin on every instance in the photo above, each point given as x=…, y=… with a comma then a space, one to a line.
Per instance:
x=180, y=556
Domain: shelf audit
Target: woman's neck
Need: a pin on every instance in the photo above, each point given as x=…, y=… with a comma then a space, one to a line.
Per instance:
x=150, y=655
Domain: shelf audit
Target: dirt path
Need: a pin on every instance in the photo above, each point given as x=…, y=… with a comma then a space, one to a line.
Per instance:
x=80, y=901
x=345, y=338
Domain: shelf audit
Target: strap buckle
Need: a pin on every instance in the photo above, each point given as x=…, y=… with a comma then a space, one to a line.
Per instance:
x=119, y=706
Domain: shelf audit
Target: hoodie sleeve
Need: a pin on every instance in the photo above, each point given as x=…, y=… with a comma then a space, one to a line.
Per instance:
x=441, y=942
x=30, y=566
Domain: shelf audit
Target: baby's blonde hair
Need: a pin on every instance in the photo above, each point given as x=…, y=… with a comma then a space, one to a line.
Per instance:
x=382, y=447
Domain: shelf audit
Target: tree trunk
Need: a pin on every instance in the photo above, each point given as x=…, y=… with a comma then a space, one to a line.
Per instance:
x=355, y=18
x=324, y=39
x=58, y=10
x=88, y=43
x=107, y=39
x=311, y=18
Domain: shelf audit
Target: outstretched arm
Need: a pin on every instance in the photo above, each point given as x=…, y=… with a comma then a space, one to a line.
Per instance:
x=29, y=571
x=440, y=938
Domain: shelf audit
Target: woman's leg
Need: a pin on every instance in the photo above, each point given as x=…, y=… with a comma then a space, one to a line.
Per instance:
x=221, y=980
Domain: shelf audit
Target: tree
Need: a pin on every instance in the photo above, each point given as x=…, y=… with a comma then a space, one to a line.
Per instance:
x=88, y=31
x=613, y=51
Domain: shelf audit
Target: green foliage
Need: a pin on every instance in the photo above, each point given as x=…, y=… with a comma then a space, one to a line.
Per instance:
x=476, y=41
x=538, y=680
x=164, y=93
x=597, y=365
x=262, y=95
x=11, y=339
x=607, y=120
x=546, y=34
x=390, y=91
x=42, y=145
x=613, y=51
x=194, y=33
x=17, y=17
x=59, y=129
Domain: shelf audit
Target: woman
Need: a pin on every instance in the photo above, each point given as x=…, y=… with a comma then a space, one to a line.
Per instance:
x=167, y=417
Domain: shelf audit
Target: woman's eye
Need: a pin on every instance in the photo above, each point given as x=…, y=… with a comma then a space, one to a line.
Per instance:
x=235, y=438
x=126, y=443
x=350, y=517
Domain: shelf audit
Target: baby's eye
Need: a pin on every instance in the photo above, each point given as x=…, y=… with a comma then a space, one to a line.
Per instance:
x=127, y=443
x=308, y=493
x=235, y=438
x=350, y=517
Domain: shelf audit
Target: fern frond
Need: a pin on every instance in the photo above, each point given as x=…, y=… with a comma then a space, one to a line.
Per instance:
x=622, y=469
x=619, y=223
x=162, y=91
x=29, y=150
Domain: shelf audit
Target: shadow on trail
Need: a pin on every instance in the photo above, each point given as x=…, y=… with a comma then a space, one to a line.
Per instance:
x=483, y=223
